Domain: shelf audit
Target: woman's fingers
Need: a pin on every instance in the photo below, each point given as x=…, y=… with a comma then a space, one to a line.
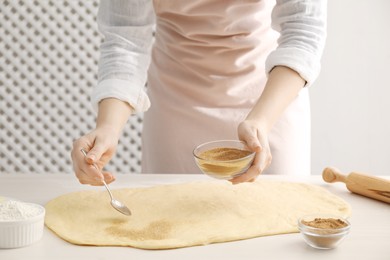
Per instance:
x=260, y=163
x=95, y=153
x=88, y=174
x=108, y=177
x=258, y=142
x=88, y=168
x=85, y=178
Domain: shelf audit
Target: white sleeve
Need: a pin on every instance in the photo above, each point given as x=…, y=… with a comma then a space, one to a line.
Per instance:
x=302, y=27
x=127, y=27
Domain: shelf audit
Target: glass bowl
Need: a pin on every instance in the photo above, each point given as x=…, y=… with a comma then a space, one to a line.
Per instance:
x=326, y=237
x=223, y=159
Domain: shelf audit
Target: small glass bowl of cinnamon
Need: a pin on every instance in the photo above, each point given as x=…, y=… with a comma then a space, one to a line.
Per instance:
x=223, y=159
x=323, y=231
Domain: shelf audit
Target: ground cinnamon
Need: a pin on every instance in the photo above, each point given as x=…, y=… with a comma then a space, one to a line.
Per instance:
x=328, y=233
x=224, y=154
x=325, y=223
x=224, y=162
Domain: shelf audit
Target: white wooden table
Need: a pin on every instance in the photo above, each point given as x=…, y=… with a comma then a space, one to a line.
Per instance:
x=369, y=237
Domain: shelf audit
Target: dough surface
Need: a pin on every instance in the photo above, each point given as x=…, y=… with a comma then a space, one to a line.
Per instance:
x=188, y=214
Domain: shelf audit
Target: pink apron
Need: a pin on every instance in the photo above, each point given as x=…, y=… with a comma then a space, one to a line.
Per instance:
x=206, y=73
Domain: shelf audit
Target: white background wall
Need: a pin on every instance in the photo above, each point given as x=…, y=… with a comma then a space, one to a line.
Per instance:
x=350, y=99
x=49, y=52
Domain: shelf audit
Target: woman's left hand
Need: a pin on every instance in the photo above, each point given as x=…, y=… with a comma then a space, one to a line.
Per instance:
x=256, y=139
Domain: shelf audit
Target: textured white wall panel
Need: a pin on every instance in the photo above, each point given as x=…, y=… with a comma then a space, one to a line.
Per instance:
x=48, y=66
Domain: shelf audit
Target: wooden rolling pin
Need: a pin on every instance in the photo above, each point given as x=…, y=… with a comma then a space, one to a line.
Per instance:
x=363, y=184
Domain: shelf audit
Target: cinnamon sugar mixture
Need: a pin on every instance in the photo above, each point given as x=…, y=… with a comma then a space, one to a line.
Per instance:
x=325, y=223
x=224, y=154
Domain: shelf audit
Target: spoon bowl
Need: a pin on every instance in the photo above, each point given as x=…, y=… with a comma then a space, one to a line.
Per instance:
x=116, y=204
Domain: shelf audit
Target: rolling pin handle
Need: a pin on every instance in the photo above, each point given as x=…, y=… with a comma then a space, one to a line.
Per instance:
x=331, y=175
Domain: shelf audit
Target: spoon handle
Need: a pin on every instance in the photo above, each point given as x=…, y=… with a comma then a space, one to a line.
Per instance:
x=109, y=192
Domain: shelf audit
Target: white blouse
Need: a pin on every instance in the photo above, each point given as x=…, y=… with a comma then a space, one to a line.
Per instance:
x=128, y=26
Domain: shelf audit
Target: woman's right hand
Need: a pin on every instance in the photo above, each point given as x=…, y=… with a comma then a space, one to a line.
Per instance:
x=100, y=145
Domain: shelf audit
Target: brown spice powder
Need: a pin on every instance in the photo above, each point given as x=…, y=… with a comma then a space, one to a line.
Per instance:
x=325, y=223
x=224, y=154
x=157, y=230
x=327, y=236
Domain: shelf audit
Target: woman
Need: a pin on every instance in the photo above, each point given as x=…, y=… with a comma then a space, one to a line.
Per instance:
x=214, y=70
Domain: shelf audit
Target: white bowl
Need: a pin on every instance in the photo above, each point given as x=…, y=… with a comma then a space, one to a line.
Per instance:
x=22, y=232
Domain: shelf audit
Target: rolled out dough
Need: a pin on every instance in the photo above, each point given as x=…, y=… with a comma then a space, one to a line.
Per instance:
x=188, y=214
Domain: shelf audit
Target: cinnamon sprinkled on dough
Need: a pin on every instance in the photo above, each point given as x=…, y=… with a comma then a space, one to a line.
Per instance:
x=157, y=230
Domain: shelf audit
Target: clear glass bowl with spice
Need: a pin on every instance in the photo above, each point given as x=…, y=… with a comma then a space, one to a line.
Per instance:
x=223, y=159
x=323, y=231
x=21, y=223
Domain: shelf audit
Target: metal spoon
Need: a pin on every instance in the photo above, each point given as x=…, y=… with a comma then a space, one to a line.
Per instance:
x=119, y=206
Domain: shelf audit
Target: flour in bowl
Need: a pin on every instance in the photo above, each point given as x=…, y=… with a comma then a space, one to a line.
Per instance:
x=17, y=210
